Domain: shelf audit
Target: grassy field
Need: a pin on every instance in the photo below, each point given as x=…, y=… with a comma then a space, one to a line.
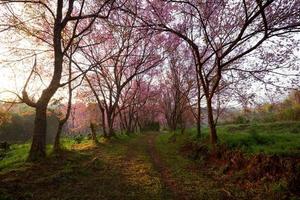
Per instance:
x=148, y=166
x=270, y=138
x=116, y=169
x=18, y=153
x=281, y=138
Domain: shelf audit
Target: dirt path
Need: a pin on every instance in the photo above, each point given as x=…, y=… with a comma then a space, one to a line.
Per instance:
x=165, y=172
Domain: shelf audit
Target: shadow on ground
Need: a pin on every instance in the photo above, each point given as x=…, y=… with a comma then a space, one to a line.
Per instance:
x=111, y=171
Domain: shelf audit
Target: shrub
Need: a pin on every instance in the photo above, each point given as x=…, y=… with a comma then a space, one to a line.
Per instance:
x=78, y=138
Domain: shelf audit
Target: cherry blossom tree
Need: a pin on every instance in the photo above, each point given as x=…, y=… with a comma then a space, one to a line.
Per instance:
x=225, y=35
x=136, y=96
x=122, y=54
x=176, y=95
x=58, y=25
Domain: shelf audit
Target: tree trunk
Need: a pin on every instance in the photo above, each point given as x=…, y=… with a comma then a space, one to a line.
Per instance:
x=94, y=135
x=110, y=123
x=198, y=129
x=103, y=121
x=199, y=116
x=211, y=123
x=38, y=146
x=56, y=146
x=182, y=125
x=111, y=132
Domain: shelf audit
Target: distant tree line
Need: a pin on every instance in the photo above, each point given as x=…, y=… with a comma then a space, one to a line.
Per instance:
x=286, y=110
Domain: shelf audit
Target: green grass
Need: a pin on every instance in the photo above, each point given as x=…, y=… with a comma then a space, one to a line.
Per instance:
x=18, y=153
x=15, y=157
x=270, y=138
x=198, y=183
x=120, y=168
x=125, y=168
x=209, y=181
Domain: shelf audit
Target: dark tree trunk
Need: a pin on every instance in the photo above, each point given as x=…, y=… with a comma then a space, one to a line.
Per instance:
x=56, y=146
x=182, y=125
x=110, y=124
x=198, y=100
x=94, y=134
x=103, y=122
x=111, y=131
x=211, y=123
x=38, y=146
x=199, y=114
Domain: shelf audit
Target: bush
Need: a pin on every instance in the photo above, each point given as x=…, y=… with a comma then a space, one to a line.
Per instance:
x=79, y=138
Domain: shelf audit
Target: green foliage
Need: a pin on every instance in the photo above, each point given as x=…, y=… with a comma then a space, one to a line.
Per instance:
x=280, y=189
x=129, y=164
x=78, y=138
x=198, y=181
x=15, y=156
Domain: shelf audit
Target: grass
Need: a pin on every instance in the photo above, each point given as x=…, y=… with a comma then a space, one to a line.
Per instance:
x=199, y=182
x=126, y=167
x=206, y=181
x=270, y=138
x=15, y=158
x=197, y=185
x=115, y=169
x=18, y=153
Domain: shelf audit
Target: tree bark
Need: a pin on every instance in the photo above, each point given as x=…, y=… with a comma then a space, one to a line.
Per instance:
x=94, y=134
x=111, y=131
x=199, y=106
x=211, y=123
x=56, y=146
x=103, y=121
x=38, y=146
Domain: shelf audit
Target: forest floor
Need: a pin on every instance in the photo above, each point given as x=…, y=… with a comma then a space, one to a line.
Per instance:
x=146, y=166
